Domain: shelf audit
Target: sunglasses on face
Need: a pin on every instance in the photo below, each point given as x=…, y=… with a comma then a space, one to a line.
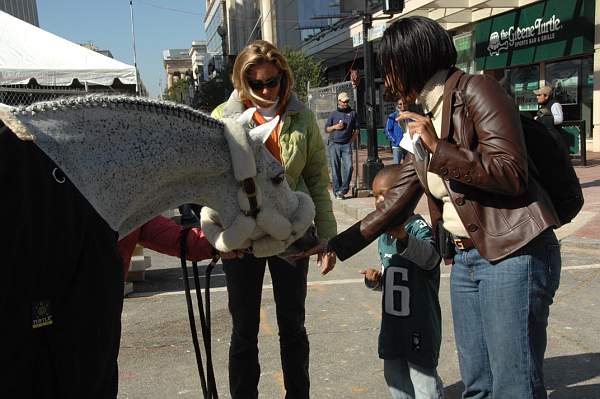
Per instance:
x=259, y=84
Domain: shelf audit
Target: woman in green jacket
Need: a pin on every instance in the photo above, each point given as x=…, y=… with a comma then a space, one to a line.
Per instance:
x=263, y=79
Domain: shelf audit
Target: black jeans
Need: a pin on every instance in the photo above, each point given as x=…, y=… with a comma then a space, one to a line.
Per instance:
x=244, y=287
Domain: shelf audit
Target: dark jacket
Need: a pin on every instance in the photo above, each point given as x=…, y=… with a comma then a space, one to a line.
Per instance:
x=348, y=117
x=484, y=165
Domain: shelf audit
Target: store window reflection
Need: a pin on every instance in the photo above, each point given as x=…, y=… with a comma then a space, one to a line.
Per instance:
x=520, y=83
x=572, y=81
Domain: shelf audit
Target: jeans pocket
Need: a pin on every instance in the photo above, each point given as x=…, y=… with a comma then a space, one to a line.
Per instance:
x=554, y=264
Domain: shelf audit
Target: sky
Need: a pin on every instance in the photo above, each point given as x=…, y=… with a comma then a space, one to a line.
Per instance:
x=159, y=25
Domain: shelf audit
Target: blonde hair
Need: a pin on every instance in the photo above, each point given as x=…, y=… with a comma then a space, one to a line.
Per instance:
x=257, y=53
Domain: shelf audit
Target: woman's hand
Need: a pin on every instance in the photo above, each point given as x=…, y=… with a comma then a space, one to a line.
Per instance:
x=325, y=259
x=422, y=126
x=326, y=262
x=317, y=249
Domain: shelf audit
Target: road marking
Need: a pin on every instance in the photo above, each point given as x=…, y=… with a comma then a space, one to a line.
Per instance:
x=324, y=282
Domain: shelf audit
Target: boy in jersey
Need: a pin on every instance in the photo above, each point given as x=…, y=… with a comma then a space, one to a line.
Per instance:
x=410, y=335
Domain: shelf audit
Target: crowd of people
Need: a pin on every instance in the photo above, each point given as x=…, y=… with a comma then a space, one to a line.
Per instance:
x=489, y=219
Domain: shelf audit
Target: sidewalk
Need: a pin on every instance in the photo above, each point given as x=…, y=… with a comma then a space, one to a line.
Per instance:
x=582, y=233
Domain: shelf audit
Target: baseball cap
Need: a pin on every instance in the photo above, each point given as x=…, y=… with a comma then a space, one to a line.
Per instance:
x=546, y=90
x=343, y=96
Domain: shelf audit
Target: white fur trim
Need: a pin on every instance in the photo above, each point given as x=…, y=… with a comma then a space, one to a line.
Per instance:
x=14, y=124
x=242, y=157
x=267, y=246
x=274, y=223
x=234, y=237
x=304, y=215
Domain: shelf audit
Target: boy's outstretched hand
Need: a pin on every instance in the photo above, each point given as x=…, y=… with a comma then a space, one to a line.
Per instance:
x=371, y=275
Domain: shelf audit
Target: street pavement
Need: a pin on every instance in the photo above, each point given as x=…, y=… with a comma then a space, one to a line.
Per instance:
x=342, y=318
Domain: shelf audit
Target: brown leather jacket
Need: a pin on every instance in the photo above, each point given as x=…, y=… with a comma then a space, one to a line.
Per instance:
x=482, y=159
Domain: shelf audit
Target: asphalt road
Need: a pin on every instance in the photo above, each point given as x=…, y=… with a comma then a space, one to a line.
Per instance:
x=342, y=318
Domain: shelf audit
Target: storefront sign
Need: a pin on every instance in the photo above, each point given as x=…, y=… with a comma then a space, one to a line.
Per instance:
x=543, y=31
x=515, y=37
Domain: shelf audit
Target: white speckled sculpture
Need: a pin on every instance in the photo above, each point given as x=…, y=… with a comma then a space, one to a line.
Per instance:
x=133, y=158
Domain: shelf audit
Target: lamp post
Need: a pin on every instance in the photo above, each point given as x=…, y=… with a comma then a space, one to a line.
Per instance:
x=373, y=164
x=222, y=31
x=137, y=75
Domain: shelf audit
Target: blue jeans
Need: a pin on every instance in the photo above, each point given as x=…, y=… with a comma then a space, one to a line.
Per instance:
x=340, y=157
x=398, y=153
x=500, y=314
x=409, y=381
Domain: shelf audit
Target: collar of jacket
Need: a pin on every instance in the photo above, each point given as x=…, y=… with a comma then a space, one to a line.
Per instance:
x=235, y=106
x=433, y=92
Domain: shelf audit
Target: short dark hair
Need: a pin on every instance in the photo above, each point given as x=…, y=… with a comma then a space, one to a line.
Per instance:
x=411, y=51
x=387, y=172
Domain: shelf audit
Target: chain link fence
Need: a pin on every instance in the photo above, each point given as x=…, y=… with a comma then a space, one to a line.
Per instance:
x=23, y=95
x=322, y=101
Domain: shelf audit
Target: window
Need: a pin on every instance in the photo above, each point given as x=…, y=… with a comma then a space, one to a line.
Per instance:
x=563, y=76
x=523, y=81
x=464, y=52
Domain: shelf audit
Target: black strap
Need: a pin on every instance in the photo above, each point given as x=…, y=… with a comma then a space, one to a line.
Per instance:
x=209, y=390
x=249, y=187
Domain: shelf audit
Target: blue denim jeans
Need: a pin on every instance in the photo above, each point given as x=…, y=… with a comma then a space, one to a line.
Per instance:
x=409, y=381
x=340, y=158
x=398, y=155
x=500, y=314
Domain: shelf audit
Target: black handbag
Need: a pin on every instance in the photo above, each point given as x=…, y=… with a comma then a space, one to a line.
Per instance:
x=444, y=242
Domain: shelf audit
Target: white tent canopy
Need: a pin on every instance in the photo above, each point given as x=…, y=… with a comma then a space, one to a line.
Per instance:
x=27, y=52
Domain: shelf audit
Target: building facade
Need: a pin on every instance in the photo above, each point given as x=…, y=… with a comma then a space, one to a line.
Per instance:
x=229, y=26
x=177, y=64
x=198, y=55
x=526, y=43
x=22, y=9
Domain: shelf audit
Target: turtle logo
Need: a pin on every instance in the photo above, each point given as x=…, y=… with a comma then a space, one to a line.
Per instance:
x=495, y=45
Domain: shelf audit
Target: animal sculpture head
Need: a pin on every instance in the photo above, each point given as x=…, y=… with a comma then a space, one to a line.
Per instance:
x=271, y=216
x=134, y=158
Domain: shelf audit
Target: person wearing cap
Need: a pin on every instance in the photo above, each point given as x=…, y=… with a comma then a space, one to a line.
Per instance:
x=342, y=129
x=550, y=112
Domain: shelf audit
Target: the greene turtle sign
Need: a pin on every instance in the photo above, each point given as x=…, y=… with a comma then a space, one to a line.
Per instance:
x=545, y=30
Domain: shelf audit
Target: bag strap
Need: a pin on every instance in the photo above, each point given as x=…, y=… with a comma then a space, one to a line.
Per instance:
x=457, y=82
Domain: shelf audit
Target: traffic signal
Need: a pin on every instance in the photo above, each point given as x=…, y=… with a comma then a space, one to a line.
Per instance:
x=393, y=6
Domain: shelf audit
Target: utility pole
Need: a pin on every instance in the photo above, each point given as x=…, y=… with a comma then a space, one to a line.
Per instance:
x=137, y=75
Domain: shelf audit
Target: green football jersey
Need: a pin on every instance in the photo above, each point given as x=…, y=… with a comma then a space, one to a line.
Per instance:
x=411, y=316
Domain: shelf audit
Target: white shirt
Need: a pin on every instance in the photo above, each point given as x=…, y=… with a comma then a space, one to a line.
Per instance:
x=557, y=113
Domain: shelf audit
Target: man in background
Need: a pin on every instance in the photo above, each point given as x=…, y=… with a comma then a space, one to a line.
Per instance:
x=550, y=112
x=342, y=129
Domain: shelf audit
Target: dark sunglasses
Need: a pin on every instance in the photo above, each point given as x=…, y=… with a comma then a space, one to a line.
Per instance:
x=259, y=84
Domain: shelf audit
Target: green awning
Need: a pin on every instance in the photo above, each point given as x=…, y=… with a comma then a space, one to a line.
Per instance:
x=543, y=31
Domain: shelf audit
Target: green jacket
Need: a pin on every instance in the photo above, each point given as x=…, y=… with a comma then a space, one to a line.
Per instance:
x=302, y=154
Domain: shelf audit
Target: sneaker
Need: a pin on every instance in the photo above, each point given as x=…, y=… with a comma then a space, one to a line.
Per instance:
x=340, y=196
